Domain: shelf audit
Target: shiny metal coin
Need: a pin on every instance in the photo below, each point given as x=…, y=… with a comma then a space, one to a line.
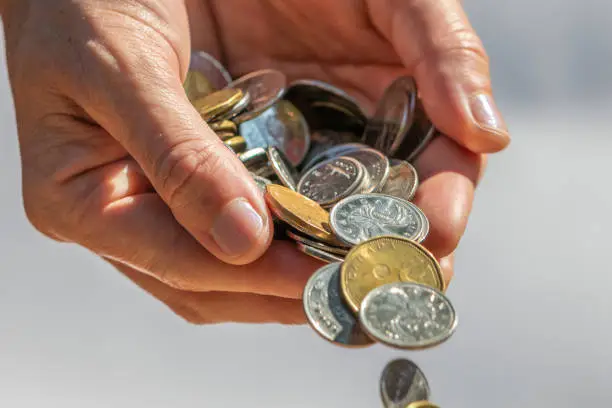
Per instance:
x=265, y=86
x=211, y=68
x=326, y=312
x=403, y=181
x=401, y=383
x=361, y=217
x=422, y=404
x=319, y=245
x=332, y=180
x=331, y=152
x=420, y=134
x=393, y=117
x=376, y=165
x=407, y=315
x=319, y=253
x=283, y=126
x=237, y=109
x=257, y=162
x=236, y=143
x=261, y=182
x=282, y=168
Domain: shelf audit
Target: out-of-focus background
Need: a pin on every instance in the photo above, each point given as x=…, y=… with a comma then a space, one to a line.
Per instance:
x=531, y=288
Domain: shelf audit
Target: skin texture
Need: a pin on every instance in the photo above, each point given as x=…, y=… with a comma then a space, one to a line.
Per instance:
x=115, y=159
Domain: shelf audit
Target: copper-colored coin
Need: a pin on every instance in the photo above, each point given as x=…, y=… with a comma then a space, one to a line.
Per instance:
x=226, y=135
x=218, y=103
x=224, y=126
x=383, y=260
x=421, y=404
x=196, y=86
x=236, y=143
x=300, y=212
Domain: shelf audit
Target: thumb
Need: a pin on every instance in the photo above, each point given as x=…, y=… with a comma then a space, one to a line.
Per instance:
x=435, y=40
x=204, y=184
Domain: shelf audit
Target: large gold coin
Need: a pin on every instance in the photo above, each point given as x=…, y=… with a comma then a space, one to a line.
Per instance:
x=224, y=126
x=196, y=85
x=421, y=404
x=383, y=260
x=300, y=212
x=236, y=143
x=217, y=103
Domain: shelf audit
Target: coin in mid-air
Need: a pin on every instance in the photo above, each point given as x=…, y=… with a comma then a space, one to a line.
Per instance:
x=326, y=312
x=421, y=404
x=408, y=315
x=401, y=383
x=383, y=260
x=360, y=217
x=265, y=86
x=403, y=180
x=300, y=212
x=376, y=165
x=332, y=180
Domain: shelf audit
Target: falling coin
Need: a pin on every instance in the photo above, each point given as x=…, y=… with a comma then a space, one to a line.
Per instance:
x=401, y=383
x=422, y=404
x=408, y=315
x=383, y=260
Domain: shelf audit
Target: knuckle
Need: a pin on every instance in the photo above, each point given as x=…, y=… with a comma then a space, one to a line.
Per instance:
x=182, y=169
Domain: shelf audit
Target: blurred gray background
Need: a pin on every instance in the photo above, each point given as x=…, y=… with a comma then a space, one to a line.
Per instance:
x=532, y=281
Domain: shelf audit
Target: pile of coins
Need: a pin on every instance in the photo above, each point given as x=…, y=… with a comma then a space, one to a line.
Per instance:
x=339, y=185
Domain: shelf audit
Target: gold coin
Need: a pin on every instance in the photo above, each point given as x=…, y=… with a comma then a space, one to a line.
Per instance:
x=383, y=260
x=236, y=143
x=218, y=102
x=421, y=404
x=300, y=212
x=224, y=126
x=226, y=135
x=196, y=85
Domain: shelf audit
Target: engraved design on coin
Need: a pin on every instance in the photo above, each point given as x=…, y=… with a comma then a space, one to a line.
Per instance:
x=265, y=87
x=376, y=165
x=325, y=311
x=408, y=315
x=331, y=180
x=403, y=181
x=361, y=217
x=401, y=383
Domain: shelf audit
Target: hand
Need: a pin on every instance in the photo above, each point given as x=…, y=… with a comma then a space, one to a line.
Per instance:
x=115, y=158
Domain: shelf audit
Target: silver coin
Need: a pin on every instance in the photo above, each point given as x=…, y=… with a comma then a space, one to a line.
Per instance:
x=332, y=180
x=407, y=315
x=265, y=86
x=361, y=217
x=401, y=383
x=419, y=135
x=212, y=69
x=319, y=245
x=261, y=182
x=393, y=116
x=283, y=126
x=326, y=312
x=403, y=181
x=281, y=167
x=331, y=152
x=319, y=253
x=330, y=89
x=376, y=165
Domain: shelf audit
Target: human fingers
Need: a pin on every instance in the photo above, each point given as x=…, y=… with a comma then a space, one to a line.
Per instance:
x=437, y=44
x=449, y=174
x=218, y=307
x=448, y=267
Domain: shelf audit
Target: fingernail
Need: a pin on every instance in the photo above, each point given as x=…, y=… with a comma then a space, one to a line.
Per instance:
x=487, y=117
x=237, y=228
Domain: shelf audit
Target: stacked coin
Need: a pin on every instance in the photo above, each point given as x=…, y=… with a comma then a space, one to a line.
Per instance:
x=340, y=185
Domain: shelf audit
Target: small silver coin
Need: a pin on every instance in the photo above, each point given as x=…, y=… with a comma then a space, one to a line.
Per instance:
x=393, y=116
x=261, y=182
x=282, y=168
x=319, y=245
x=319, y=253
x=326, y=312
x=403, y=181
x=212, y=69
x=265, y=86
x=331, y=180
x=376, y=165
x=407, y=315
x=361, y=217
x=401, y=383
x=283, y=126
x=331, y=152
